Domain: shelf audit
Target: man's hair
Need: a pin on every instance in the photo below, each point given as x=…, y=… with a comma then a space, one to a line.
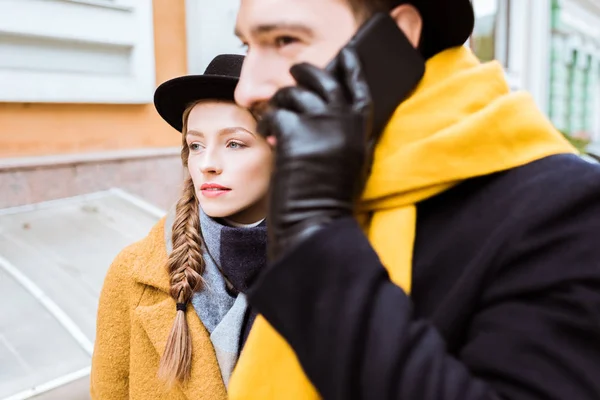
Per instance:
x=363, y=9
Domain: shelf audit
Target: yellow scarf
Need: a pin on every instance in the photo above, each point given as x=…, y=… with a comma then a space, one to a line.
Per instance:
x=461, y=122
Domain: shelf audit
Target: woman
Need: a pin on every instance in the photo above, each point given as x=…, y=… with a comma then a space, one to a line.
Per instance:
x=171, y=323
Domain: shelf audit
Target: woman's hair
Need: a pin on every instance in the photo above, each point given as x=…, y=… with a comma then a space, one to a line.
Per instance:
x=185, y=266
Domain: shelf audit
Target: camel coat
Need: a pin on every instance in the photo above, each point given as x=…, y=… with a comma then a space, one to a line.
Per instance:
x=135, y=317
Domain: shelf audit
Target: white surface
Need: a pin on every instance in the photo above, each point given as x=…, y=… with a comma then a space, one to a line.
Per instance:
x=582, y=15
x=53, y=384
x=37, y=293
x=34, y=348
x=69, y=51
x=54, y=258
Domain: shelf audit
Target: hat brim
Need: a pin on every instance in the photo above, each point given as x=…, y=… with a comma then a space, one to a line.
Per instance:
x=173, y=97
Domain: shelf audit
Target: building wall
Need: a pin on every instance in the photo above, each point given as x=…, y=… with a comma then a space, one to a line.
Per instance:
x=154, y=175
x=575, y=67
x=516, y=33
x=206, y=20
x=51, y=150
x=34, y=129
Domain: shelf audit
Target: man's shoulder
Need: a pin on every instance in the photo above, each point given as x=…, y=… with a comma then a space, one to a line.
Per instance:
x=548, y=183
x=138, y=261
x=538, y=220
x=563, y=170
x=547, y=204
x=557, y=193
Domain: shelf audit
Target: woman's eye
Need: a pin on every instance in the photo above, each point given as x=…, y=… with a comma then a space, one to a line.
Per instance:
x=195, y=146
x=283, y=41
x=235, y=145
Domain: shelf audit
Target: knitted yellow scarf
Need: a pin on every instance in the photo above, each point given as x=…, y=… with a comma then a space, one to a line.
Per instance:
x=461, y=122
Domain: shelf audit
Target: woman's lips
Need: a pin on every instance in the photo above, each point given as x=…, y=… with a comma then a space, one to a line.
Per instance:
x=212, y=190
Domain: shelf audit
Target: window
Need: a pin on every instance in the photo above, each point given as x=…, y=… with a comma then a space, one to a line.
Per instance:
x=495, y=35
x=575, y=69
x=205, y=21
x=483, y=42
x=76, y=51
x=515, y=33
x=491, y=33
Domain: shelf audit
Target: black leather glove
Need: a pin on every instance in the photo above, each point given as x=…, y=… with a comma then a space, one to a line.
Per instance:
x=321, y=127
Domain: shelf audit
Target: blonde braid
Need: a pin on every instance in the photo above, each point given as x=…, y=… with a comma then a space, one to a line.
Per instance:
x=185, y=266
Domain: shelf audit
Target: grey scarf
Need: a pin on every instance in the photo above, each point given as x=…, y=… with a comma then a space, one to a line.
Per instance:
x=233, y=256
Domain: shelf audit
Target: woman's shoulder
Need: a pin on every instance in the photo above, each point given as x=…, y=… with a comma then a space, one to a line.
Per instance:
x=138, y=260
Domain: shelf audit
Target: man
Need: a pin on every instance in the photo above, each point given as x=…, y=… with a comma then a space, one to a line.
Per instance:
x=468, y=269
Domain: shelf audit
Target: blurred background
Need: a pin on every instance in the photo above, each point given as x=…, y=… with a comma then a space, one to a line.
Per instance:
x=87, y=166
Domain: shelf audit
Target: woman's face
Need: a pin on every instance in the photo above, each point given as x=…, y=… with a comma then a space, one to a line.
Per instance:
x=229, y=163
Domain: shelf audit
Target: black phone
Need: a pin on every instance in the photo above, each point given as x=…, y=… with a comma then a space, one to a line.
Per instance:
x=391, y=65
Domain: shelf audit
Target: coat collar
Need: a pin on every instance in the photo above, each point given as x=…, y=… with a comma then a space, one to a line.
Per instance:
x=152, y=271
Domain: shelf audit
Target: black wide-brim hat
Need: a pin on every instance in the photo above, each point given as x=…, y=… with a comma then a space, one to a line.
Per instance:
x=217, y=83
x=446, y=23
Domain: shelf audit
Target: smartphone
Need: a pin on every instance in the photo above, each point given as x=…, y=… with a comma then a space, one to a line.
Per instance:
x=391, y=65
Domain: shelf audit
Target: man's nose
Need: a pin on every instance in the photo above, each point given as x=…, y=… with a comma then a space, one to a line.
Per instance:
x=255, y=85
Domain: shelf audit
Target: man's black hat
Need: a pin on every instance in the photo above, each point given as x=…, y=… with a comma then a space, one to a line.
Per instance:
x=446, y=23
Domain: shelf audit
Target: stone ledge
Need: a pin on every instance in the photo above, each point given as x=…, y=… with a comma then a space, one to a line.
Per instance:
x=156, y=176
x=71, y=160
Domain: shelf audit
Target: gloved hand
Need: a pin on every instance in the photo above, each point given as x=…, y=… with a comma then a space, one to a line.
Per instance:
x=321, y=127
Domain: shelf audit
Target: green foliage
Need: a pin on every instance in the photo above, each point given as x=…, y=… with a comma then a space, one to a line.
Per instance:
x=579, y=142
x=484, y=47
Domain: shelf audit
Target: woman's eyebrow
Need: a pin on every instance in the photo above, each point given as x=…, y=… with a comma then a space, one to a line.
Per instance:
x=195, y=133
x=235, y=129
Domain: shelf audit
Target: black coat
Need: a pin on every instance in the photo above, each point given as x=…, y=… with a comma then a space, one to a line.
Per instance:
x=505, y=301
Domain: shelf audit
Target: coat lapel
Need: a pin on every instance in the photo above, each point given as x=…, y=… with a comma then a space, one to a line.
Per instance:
x=156, y=314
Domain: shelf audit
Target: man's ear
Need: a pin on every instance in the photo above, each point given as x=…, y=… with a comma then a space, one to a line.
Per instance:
x=409, y=20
